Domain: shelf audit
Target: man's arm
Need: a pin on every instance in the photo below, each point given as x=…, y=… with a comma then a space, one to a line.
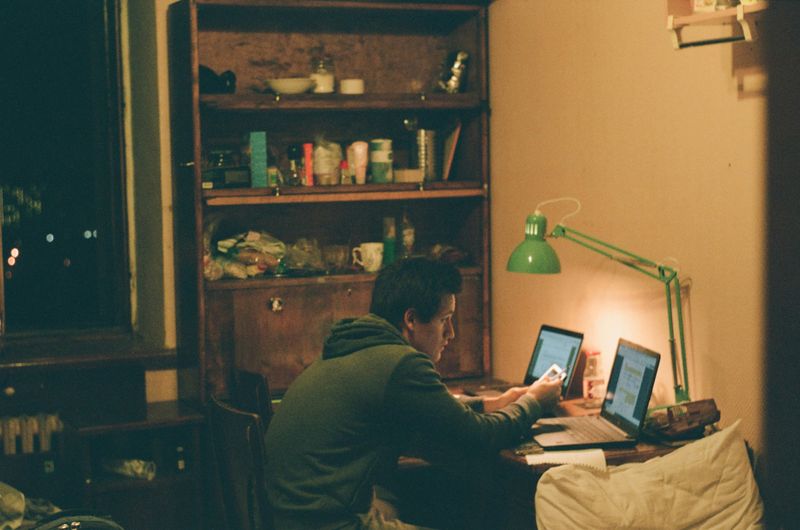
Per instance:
x=493, y=403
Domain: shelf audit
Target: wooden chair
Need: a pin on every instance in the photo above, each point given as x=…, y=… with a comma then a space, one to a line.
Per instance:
x=237, y=439
x=251, y=393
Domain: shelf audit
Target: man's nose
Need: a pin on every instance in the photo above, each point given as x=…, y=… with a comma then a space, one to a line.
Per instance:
x=450, y=331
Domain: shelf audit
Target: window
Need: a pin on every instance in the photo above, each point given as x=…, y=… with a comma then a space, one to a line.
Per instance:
x=64, y=253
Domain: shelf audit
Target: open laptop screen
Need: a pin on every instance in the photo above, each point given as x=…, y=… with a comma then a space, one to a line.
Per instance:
x=630, y=386
x=554, y=345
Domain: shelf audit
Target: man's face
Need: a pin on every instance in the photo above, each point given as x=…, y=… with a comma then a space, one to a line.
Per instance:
x=432, y=337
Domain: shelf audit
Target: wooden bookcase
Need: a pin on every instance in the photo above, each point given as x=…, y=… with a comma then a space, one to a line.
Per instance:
x=97, y=390
x=276, y=325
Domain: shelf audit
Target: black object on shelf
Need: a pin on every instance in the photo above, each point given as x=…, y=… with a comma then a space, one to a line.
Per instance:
x=213, y=83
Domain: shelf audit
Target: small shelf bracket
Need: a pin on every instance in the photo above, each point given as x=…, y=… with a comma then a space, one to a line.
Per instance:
x=748, y=24
x=746, y=18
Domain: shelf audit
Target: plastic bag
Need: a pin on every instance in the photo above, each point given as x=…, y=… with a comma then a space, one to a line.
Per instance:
x=12, y=507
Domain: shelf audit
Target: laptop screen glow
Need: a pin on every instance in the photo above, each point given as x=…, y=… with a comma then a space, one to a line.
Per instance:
x=630, y=385
x=557, y=346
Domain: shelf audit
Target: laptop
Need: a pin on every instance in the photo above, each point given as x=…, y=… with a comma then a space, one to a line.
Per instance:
x=553, y=346
x=624, y=408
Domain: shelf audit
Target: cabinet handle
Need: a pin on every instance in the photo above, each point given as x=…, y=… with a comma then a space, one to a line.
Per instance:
x=276, y=304
x=349, y=292
x=187, y=164
x=9, y=391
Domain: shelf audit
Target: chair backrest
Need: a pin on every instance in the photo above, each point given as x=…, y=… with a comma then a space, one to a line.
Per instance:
x=251, y=393
x=75, y=519
x=237, y=438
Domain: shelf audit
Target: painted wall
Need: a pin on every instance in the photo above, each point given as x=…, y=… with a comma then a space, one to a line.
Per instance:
x=666, y=151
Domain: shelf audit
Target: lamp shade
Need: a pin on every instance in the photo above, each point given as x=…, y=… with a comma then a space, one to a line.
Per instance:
x=534, y=255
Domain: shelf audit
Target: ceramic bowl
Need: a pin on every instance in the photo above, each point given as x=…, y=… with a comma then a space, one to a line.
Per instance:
x=290, y=85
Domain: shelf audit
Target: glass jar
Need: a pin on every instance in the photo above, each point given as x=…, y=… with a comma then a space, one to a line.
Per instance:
x=322, y=74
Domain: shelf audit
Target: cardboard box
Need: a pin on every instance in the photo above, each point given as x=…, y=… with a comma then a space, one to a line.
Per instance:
x=258, y=159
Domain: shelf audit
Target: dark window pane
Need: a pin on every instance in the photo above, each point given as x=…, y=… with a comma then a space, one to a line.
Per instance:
x=63, y=232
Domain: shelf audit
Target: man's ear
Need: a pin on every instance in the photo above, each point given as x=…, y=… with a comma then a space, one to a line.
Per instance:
x=409, y=319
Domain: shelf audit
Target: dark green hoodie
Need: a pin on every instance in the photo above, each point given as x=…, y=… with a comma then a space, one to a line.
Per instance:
x=344, y=421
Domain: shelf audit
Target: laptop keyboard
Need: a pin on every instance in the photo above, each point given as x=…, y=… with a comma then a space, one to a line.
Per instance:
x=585, y=429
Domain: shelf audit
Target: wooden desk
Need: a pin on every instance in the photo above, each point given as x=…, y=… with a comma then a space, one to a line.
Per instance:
x=517, y=482
x=511, y=506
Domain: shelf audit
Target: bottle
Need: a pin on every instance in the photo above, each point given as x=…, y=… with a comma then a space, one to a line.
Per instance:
x=389, y=240
x=593, y=381
x=345, y=176
x=296, y=171
x=408, y=234
x=308, y=164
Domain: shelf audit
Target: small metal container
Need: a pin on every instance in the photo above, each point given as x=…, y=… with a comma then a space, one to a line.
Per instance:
x=426, y=154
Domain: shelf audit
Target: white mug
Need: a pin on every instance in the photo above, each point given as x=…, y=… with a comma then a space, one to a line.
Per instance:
x=369, y=256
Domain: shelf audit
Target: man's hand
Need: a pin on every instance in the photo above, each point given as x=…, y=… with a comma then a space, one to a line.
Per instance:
x=546, y=391
x=491, y=404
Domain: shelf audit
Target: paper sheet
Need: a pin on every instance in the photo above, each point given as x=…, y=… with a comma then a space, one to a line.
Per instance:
x=594, y=458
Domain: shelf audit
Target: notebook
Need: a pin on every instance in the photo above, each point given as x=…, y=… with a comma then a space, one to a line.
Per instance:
x=622, y=414
x=553, y=346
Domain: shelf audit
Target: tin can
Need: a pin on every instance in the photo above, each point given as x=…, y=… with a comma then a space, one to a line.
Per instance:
x=380, y=161
x=426, y=153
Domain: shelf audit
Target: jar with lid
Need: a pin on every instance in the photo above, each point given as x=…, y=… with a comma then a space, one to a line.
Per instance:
x=221, y=158
x=594, y=386
x=322, y=74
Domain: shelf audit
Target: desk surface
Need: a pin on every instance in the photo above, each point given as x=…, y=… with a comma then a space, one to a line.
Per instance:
x=517, y=480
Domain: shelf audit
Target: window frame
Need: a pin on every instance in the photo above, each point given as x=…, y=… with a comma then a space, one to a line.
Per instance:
x=110, y=177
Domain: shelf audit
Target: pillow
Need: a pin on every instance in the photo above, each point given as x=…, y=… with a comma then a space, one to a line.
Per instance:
x=705, y=484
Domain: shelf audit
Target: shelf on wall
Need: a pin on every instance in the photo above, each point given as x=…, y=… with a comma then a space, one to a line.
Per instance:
x=391, y=5
x=108, y=483
x=344, y=193
x=339, y=102
x=287, y=281
x=680, y=15
x=159, y=415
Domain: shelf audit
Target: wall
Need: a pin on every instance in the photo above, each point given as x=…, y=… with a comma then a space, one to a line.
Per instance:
x=666, y=151
x=149, y=168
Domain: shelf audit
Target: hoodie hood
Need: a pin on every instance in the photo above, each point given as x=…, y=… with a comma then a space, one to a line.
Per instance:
x=355, y=334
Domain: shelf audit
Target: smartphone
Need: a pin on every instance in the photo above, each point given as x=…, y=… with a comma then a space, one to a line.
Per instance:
x=555, y=372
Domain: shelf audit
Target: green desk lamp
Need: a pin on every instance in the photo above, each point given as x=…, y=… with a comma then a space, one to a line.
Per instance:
x=535, y=256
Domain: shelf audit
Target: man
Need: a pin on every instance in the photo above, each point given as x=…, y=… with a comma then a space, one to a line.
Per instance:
x=345, y=420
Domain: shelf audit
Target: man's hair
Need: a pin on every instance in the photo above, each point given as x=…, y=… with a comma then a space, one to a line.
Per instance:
x=413, y=283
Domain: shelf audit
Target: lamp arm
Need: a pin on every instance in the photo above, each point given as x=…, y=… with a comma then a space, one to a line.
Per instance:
x=667, y=275
x=681, y=392
x=592, y=243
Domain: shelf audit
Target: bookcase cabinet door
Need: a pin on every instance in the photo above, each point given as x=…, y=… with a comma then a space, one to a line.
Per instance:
x=279, y=330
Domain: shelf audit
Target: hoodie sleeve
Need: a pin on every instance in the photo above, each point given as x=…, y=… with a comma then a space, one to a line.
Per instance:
x=417, y=399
